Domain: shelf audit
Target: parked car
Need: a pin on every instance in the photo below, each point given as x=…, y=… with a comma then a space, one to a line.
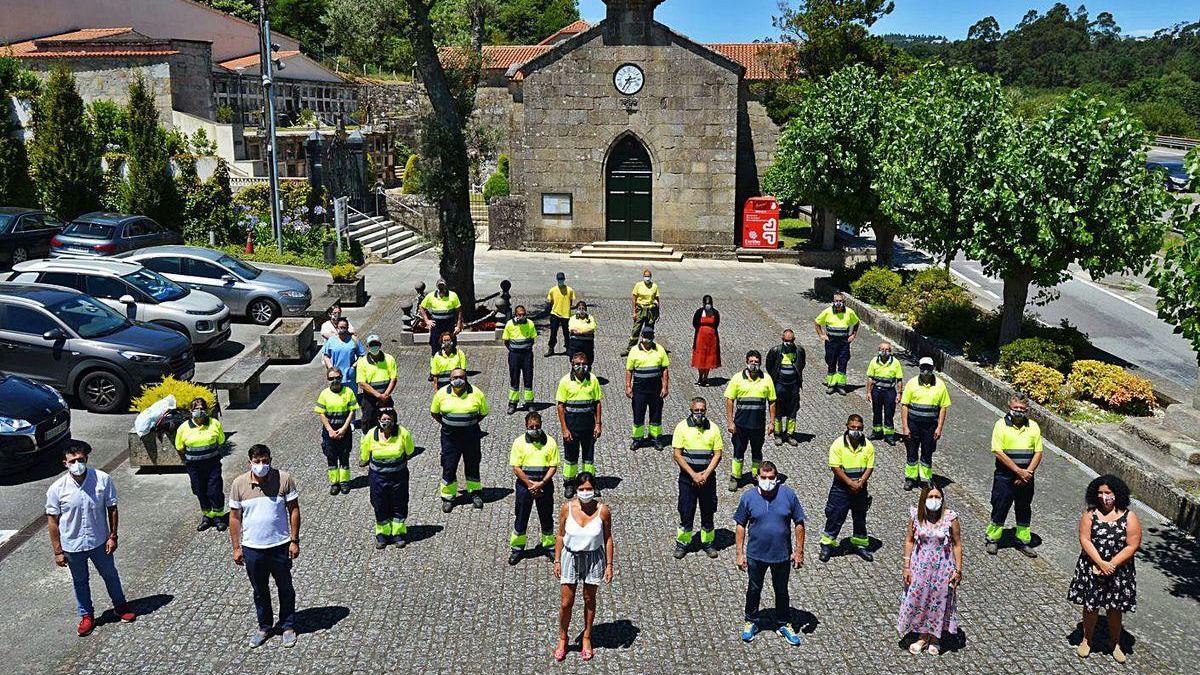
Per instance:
x=26, y=234
x=259, y=295
x=35, y=421
x=139, y=293
x=78, y=345
x=1175, y=175
x=101, y=234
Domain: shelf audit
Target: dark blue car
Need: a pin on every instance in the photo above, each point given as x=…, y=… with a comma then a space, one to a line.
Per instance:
x=100, y=233
x=35, y=421
x=1175, y=175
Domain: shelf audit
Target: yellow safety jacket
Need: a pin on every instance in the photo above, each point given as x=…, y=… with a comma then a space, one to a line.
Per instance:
x=750, y=398
x=1021, y=444
x=924, y=403
x=535, y=459
x=697, y=444
x=647, y=365
x=579, y=397
x=442, y=310
x=647, y=296
x=387, y=455
x=519, y=336
x=886, y=375
x=459, y=411
x=441, y=365
x=199, y=443
x=837, y=324
x=854, y=462
x=378, y=373
x=337, y=407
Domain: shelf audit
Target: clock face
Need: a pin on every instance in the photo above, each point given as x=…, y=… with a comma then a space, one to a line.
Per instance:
x=629, y=79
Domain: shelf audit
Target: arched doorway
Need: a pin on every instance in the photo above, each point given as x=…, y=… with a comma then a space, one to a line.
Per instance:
x=628, y=183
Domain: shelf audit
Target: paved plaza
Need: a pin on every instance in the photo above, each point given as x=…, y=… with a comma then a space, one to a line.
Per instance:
x=450, y=603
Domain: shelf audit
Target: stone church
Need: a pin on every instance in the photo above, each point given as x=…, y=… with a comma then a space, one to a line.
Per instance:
x=629, y=131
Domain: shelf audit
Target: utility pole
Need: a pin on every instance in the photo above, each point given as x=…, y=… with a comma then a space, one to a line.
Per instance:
x=266, y=54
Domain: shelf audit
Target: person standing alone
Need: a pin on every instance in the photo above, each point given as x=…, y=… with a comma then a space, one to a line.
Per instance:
x=647, y=383
x=923, y=408
x=335, y=408
x=201, y=440
x=706, y=340
x=561, y=298
x=763, y=540
x=885, y=383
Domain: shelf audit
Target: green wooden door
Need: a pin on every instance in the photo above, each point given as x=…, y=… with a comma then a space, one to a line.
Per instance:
x=628, y=192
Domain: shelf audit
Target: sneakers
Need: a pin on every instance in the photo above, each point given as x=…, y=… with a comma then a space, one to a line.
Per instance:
x=793, y=638
x=512, y=407
x=400, y=541
x=514, y=557
x=826, y=552
x=1026, y=550
x=875, y=435
x=205, y=523
x=910, y=483
x=289, y=638
x=710, y=550
x=334, y=489
x=864, y=554
x=658, y=444
x=87, y=624
x=124, y=613
x=345, y=488
x=477, y=500
x=220, y=523
x=749, y=630
x=680, y=552
x=992, y=548
x=734, y=483
x=634, y=444
x=829, y=389
x=258, y=637
x=779, y=440
x=792, y=440
x=841, y=389
x=447, y=506
x=381, y=542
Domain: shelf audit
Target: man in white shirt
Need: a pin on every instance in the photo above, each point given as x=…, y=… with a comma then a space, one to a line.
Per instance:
x=264, y=525
x=81, y=510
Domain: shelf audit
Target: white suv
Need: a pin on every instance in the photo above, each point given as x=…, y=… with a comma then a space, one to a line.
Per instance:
x=139, y=293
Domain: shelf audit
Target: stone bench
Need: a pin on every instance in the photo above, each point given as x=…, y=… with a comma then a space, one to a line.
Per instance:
x=318, y=310
x=241, y=379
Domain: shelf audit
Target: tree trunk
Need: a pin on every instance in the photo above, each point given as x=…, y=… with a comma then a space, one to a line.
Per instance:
x=454, y=204
x=885, y=237
x=949, y=259
x=1016, y=293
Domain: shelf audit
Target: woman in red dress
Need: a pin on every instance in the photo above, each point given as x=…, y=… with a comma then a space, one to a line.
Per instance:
x=706, y=344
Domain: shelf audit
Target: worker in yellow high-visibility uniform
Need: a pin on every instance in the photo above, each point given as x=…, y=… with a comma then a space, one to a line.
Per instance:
x=885, y=382
x=534, y=460
x=519, y=335
x=837, y=326
x=580, y=403
x=647, y=382
x=442, y=313
x=698, y=445
x=923, y=408
x=852, y=461
x=444, y=360
x=750, y=411
x=335, y=408
x=459, y=408
x=646, y=308
x=201, y=439
x=1017, y=446
x=582, y=328
x=561, y=298
x=377, y=377
x=387, y=449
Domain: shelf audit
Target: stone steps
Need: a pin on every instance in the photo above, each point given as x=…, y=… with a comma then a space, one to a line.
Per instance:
x=1157, y=433
x=628, y=250
x=750, y=258
x=1183, y=476
x=386, y=239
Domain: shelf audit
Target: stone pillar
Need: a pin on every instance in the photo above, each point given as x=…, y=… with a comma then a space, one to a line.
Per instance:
x=506, y=222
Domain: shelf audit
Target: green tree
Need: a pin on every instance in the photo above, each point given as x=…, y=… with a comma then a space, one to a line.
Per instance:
x=149, y=187
x=1071, y=188
x=940, y=143
x=16, y=189
x=528, y=22
x=63, y=157
x=108, y=122
x=831, y=34
x=827, y=153
x=1177, y=275
x=301, y=19
x=242, y=9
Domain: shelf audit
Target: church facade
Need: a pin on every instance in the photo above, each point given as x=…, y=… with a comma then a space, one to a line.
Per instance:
x=629, y=131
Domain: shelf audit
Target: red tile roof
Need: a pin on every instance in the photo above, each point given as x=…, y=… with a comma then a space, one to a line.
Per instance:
x=89, y=43
x=573, y=29
x=762, y=60
x=495, y=57
x=252, y=59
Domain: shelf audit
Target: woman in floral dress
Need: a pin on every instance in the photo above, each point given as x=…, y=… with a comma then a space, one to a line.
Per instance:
x=1109, y=534
x=932, y=571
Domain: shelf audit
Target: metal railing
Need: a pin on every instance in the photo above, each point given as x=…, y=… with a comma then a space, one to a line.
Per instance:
x=1177, y=142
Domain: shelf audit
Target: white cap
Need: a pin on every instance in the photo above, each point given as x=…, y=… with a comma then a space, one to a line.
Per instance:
x=925, y=361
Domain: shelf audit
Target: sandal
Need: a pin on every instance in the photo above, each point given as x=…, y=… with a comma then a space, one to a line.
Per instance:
x=587, y=654
x=916, y=647
x=933, y=650
x=560, y=653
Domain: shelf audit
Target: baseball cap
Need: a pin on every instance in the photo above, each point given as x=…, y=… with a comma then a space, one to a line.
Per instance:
x=373, y=339
x=925, y=361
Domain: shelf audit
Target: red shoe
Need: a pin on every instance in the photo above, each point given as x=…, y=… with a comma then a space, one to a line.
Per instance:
x=124, y=613
x=86, y=625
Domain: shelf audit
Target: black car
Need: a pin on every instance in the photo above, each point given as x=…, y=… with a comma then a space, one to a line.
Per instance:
x=100, y=233
x=1174, y=174
x=78, y=345
x=25, y=234
x=34, y=422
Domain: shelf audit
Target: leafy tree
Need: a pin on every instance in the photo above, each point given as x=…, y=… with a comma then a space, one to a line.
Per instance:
x=300, y=19
x=1071, y=188
x=63, y=157
x=531, y=21
x=15, y=187
x=1177, y=275
x=108, y=122
x=983, y=39
x=242, y=9
x=149, y=188
x=940, y=143
x=208, y=206
x=831, y=34
x=826, y=153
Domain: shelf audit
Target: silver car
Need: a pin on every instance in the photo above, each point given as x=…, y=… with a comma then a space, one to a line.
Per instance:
x=260, y=295
x=138, y=293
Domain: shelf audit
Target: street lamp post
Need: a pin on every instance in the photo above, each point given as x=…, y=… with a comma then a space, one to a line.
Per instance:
x=267, y=65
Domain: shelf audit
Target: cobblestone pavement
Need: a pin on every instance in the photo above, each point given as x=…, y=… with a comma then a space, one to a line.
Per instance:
x=450, y=603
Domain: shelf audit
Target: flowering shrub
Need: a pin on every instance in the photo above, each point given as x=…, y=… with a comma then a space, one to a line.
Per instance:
x=1043, y=384
x=1113, y=387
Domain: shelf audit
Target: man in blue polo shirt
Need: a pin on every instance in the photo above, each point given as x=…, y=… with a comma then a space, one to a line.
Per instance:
x=765, y=517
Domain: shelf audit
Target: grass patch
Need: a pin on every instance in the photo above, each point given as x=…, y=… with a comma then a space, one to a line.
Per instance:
x=794, y=232
x=1087, y=412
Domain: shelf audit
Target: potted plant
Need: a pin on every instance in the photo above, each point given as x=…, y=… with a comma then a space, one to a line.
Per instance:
x=347, y=286
x=157, y=447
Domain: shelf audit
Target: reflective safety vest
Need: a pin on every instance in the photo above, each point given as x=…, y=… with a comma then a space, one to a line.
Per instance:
x=787, y=368
x=885, y=375
x=647, y=296
x=519, y=336
x=376, y=373
x=647, y=365
x=441, y=310
x=587, y=324
x=459, y=411
x=750, y=397
x=854, y=462
x=440, y=365
x=337, y=407
x=534, y=458
x=697, y=444
x=198, y=443
x=924, y=403
x=837, y=325
x=387, y=455
x=579, y=397
x=1019, y=443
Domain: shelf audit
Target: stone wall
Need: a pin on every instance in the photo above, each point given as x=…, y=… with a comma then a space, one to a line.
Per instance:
x=191, y=78
x=109, y=78
x=686, y=115
x=507, y=222
x=395, y=104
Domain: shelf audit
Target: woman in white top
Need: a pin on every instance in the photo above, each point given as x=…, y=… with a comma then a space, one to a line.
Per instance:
x=583, y=553
x=329, y=328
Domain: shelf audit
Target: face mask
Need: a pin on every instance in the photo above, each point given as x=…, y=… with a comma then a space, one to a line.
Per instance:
x=535, y=436
x=447, y=347
x=458, y=383
x=885, y=356
x=767, y=484
x=585, y=496
x=374, y=350
x=647, y=280
x=386, y=424
x=441, y=289
x=343, y=333
x=699, y=418
x=78, y=467
x=579, y=368
x=260, y=470
x=926, y=376
x=839, y=306
x=520, y=318
x=933, y=504
x=335, y=385
x=199, y=414
x=647, y=344
x=855, y=436
x=789, y=344
x=1108, y=500
x=1018, y=417
x=708, y=304
x=753, y=367
x=581, y=313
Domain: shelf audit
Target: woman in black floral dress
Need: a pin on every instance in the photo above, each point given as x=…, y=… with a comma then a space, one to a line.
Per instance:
x=1110, y=535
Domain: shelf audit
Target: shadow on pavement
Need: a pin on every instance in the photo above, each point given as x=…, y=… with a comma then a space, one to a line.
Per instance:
x=265, y=389
x=619, y=634
x=1100, y=639
x=225, y=351
x=1177, y=556
x=947, y=642
x=607, y=482
x=141, y=606
x=494, y=494
x=418, y=533
x=313, y=619
x=723, y=538
x=46, y=465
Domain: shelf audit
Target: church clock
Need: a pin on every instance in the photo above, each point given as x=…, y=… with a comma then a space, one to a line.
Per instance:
x=629, y=79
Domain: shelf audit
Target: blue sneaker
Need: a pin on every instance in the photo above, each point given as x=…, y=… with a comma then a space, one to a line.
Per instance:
x=749, y=630
x=790, y=635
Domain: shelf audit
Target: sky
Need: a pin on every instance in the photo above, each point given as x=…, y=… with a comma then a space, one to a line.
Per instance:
x=748, y=20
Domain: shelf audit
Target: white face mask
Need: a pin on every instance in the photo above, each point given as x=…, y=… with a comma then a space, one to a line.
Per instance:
x=77, y=468
x=260, y=470
x=933, y=504
x=1108, y=500
x=586, y=496
x=767, y=484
